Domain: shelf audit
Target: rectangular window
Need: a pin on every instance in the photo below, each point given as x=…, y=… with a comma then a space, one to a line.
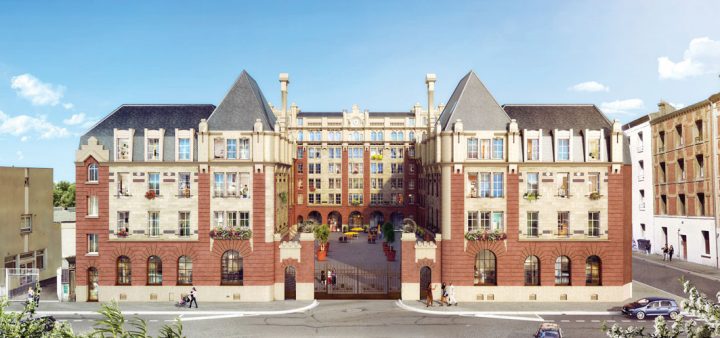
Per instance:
x=563, y=149
x=218, y=148
x=472, y=148
x=92, y=206
x=123, y=149
x=663, y=177
x=396, y=168
x=244, y=219
x=498, y=221
x=532, y=224
x=681, y=170
x=594, y=179
x=244, y=185
x=355, y=198
x=26, y=223
x=533, y=149
x=663, y=204
x=498, y=149
x=334, y=198
x=706, y=238
x=154, y=183
x=563, y=180
x=184, y=223
x=485, y=149
x=219, y=187
x=679, y=135
x=377, y=183
x=313, y=198
x=154, y=223
x=701, y=204
x=594, y=223
x=497, y=185
x=184, y=184
x=231, y=218
x=92, y=242
x=10, y=262
x=231, y=149
x=484, y=185
x=681, y=205
x=472, y=220
x=563, y=223
x=356, y=183
x=153, y=149
x=40, y=259
x=299, y=122
x=300, y=153
x=232, y=187
x=376, y=168
x=700, y=160
x=123, y=222
x=123, y=184
x=532, y=183
x=594, y=149
x=184, y=149
x=473, y=184
x=219, y=219
x=244, y=149
x=485, y=221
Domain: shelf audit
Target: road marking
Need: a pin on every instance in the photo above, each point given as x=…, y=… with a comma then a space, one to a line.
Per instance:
x=610, y=321
x=77, y=320
x=564, y=321
x=404, y=306
x=625, y=321
x=153, y=320
x=580, y=320
x=595, y=321
x=212, y=317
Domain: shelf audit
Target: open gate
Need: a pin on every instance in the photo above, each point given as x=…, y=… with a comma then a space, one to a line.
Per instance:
x=356, y=282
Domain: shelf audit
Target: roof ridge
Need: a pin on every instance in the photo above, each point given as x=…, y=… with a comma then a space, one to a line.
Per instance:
x=163, y=104
x=549, y=104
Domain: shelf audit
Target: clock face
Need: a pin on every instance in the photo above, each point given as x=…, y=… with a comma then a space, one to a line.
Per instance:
x=355, y=122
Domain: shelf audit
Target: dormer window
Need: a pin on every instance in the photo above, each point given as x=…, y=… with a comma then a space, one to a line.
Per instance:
x=594, y=149
x=153, y=149
x=498, y=149
x=563, y=149
x=219, y=148
x=231, y=149
x=184, y=149
x=244, y=149
x=533, y=149
x=472, y=148
x=122, y=151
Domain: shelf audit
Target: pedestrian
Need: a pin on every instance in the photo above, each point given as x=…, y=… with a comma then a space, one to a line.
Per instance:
x=670, y=252
x=36, y=299
x=322, y=277
x=30, y=295
x=334, y=277
x=193, y=298
x=443, y=295
x=649, y=245
x=665, y=251
x=451, y=295
x=428, y=294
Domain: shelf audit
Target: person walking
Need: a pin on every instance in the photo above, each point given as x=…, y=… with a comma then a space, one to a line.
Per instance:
x=334, y=277
x=443, y=295
x=671, y=250
x=36, y=298
x=322, y=277
x=451, y=295
x=30, y=295
x=649, y=246
x=193, y=298
x=665, y=251
x=428, y=294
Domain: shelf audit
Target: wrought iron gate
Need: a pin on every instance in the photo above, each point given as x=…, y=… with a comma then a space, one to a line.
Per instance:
x=342, y=281
x=290, y=282
x=425, y=279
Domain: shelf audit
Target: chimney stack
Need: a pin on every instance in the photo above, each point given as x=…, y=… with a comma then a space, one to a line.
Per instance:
x=665, y=108
x=430, y=82
x=284, y=81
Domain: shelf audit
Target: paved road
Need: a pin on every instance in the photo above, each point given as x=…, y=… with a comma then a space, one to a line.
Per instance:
x=668, y=279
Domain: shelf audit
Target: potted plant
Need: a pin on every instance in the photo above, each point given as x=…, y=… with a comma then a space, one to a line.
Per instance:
x=322, y=233
x=531, y=196
x=150, y=194
x=283, y=197
x=595, y=195
x=123, y=233
x=186, y=192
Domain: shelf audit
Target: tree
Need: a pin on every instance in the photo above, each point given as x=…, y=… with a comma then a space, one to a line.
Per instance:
x=388, y=232
x=696, y=304
x=64, y=194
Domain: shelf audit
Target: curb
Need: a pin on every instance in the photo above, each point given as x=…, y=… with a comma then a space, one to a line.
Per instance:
x=404, y=306
x=698, y=274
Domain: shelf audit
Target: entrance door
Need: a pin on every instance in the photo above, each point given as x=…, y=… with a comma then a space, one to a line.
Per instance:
x=425, y=279
x=289, y=283
x=664, y=229
x=92, y=280
x=683, y=242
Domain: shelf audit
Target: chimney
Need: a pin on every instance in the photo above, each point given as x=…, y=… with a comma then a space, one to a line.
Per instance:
x=284, y=81
x=665, y=108
x=430, y=82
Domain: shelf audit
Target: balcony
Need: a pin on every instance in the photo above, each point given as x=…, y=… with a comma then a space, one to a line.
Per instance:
x=661, y=149
x=563, y=193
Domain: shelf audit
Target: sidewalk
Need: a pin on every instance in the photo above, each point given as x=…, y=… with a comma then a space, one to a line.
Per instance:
x=706, y=271
x=138, y=308
x=640, y=290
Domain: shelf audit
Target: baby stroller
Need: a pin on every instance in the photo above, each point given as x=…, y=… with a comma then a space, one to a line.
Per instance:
x=183, y=301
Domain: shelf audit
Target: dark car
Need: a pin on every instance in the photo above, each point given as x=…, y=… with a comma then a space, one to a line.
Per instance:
x=548, y=330
x=652, y=306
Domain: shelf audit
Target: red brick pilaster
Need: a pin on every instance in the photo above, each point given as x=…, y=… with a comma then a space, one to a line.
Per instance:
x=457, y=265
x=366, y=179
x=345, y=181
x=260, y=265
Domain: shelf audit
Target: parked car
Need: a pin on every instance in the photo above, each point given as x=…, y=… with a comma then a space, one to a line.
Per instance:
x=46, y=322
x=549, y=330
x=652, y=306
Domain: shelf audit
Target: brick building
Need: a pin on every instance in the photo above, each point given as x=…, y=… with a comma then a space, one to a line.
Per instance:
x=161, y=182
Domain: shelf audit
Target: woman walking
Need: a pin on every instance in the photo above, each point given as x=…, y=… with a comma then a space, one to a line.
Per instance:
x=193, y=298
x=443, y=294
x=429, y=296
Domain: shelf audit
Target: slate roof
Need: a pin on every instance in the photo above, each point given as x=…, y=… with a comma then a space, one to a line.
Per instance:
x=475, y=106
x=338, y=113
x=242, y=105
x=152, y=116
x=562, y=116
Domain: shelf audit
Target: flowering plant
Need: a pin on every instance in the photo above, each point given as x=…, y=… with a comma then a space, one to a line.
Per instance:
x=228, y=232
x=484, y=235
x=123, y=233
x=150, y=194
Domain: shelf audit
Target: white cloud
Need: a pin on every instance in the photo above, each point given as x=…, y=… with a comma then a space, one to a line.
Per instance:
x=24, y=139
x=20, y=155
x=36, y=91
x=75, y=119
x=621, y=107
x=68, y=106
x=702, y=57
x=677, y=105
x=590, y=86
x=22, y=125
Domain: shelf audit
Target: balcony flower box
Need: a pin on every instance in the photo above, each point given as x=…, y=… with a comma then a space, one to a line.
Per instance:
x=150, y=194
x=484, y=235
x=595, y=196
x=123, y=233
x=227, y=232
x=531, y=196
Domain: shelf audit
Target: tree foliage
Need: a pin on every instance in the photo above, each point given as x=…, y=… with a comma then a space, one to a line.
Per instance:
x=64, y=194
x=24, y=324
x=706, y=321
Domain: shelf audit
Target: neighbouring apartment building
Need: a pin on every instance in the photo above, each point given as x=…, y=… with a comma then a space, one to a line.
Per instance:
x=526, y=202
x=639, y=135
x=29, y=239
x=685, y=176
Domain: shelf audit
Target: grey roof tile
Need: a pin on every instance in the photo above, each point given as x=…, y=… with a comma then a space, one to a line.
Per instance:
x=243, y=104
x=475, y=106
x=564, y=117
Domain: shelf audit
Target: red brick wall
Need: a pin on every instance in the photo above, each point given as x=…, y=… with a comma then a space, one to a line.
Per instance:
x=454, y=259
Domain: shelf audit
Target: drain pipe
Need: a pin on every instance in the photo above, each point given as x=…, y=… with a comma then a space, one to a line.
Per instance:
x=713, y=151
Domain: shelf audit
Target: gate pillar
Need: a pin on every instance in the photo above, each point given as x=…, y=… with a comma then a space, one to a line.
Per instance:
x=306, y=270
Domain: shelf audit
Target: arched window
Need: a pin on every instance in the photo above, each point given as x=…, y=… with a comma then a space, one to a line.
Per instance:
x=154, y=271
x=232, y=268
x=380, y=136
x=93, y=287
x=123, y=270
x=532, y=270
x=592, y=271
x=400, y=136
x=393, y=136
x=300, y=136
x=485, y=268
x=184, y=270
x=562, y=270
x=411, y=136
x=92, y=173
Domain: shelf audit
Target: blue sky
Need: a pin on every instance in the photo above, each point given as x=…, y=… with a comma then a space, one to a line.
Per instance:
x=65, y=65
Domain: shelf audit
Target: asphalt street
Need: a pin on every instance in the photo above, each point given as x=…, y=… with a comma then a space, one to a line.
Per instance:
x=668, y=279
